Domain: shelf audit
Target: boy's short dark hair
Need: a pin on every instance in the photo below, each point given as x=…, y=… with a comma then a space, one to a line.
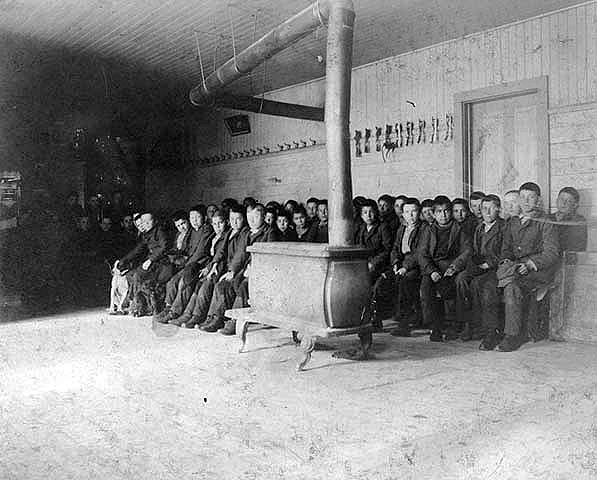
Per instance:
x=286, y=215
x=202, y=209
x=460, y=201
x=531, y=186
x=179, y=215
x=259, y=207
x=412, y=201
x=427, y=203
x=249, y=202
x=370, y=203
x=292, y=202
x=273, y=210
x=272, y=204
x=322, y=201
x=511, y=191
x=401, y=197
x=357, y=202
x=571, y=191
x=236, y=208
x=302, y=210
x=221, y=214
x=312, y=200
x=228, y=202
x=477, y=195
x=441, y=200
x=386, y=198
x=491, y=197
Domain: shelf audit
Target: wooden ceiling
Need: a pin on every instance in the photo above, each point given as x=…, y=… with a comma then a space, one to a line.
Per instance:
x=167, y=35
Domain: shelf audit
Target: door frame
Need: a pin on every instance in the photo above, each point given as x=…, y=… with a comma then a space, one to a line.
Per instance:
x=463, y=102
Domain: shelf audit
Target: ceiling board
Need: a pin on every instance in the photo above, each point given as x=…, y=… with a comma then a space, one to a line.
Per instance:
x=162, y=35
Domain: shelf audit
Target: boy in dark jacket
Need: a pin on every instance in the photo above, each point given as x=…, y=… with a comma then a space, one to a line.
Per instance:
x=236, y=293
x=375, y=236
x=571, y=227
x=228, y=260
x=180, y=287
x=443, y=252
x=405, y=265
x=477, y=284
x=531, y=242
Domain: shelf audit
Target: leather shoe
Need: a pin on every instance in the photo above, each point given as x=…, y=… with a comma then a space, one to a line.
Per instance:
x=212, y=326
x=192, y=321
x=229, y=328
x=510, y=343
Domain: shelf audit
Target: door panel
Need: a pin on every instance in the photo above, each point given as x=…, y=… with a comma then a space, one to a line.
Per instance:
x=504, y=143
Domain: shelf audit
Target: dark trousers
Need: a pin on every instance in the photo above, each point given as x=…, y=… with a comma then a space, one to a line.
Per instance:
x=200, y=300
x=180, y=287
x=518, y=298
x=433, y=307
x=406, y=297
x=241, y=289
x=223, y=299
x=485, y=303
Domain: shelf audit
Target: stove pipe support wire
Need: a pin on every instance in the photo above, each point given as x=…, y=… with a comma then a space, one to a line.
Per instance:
x=281, y=37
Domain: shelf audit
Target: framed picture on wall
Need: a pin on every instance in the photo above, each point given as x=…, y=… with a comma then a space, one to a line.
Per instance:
x=238, y=125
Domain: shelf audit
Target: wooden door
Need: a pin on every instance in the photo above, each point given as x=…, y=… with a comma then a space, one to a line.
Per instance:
x=503, y=148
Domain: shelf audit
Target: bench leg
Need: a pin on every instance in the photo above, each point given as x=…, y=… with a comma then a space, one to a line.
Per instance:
x=307, y=346
x=241, y=329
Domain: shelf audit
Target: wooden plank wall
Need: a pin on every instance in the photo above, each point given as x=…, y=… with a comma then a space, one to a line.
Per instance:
x=562, y=45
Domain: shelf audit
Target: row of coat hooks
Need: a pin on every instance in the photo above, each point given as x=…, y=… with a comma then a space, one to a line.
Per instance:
x=256, y=152
x=403, y=134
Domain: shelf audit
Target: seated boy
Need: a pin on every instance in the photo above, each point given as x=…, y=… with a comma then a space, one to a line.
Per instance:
x=236, y=293
x=571, y=227
x=398, y=202
x=302, y=226
x=311, y=208
x=405, y=265
x=427, y=212
x=319, y=233
x=387, y=215
x=463, y=215
x=475, y=200
x=531, y=244
x=180, y=287
x=227, y=262
x=477, y=284
x=511, y=205
x=217, y=258
x=375, y=236
x=284, y=227
x=443, y=252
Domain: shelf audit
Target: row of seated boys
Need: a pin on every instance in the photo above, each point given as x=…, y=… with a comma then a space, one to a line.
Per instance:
x=427, y=252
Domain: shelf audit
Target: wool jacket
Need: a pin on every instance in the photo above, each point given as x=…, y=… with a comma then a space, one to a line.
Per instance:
x=410, y=261
x=536, y=240
x=199, y=245
x=265, y=233
x=153, y=246
x=487, y=246
x=458, y=249
x=379, y=241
